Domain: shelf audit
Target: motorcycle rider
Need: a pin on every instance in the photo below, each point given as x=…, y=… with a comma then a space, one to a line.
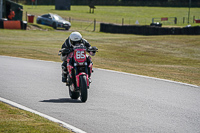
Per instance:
x=72, y=40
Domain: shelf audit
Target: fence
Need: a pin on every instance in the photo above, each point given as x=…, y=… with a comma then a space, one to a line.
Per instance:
x=165, y=20
x=88, y=25
x=148, y=30
x=94, y=24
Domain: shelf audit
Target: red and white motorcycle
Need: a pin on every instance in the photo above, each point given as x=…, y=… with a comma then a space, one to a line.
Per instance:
x=79, y=66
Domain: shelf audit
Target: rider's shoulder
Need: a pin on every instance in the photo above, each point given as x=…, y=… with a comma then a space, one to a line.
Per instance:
x=84, y=40
x=66, y=43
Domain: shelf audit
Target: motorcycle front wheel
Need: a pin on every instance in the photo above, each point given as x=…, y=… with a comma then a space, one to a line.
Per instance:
x=83, y=88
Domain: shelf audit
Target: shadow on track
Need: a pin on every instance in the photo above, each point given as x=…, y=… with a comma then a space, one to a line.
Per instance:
x=61, y=100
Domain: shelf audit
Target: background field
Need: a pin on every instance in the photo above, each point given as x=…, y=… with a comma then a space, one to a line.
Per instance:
x=81, y=18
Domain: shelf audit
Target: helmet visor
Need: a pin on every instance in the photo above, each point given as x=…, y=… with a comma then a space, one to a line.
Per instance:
x=75, y=42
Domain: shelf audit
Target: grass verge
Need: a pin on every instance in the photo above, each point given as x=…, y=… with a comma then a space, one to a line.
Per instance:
x=33, y=26
x=14, y=120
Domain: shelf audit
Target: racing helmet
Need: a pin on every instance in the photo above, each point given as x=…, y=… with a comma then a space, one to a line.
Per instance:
x=74, y=38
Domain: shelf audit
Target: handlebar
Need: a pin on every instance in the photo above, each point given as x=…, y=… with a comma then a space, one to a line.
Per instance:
x=92, y=49
x=67, y=51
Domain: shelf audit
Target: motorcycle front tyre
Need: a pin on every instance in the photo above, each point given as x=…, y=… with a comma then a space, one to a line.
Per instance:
x=83, y=88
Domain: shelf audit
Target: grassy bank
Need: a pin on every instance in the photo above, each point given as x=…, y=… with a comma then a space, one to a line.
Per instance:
x=114, y=14
x=168, y=57
x=14, y=120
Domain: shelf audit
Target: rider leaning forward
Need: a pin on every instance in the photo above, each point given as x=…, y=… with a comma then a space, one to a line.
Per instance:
x=74, y=39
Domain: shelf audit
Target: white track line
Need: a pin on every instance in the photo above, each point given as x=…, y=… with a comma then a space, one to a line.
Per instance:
x=65, y=125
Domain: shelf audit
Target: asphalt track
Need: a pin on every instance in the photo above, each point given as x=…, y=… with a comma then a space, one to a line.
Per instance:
x=117, y=102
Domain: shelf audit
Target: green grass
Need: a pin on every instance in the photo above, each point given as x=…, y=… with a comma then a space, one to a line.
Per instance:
x=35, y=26
x=13, y=120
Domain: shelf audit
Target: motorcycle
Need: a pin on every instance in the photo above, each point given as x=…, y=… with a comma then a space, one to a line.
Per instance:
x=79, y=67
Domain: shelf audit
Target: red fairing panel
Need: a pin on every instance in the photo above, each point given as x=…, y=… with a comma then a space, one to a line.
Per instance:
x=69, y=68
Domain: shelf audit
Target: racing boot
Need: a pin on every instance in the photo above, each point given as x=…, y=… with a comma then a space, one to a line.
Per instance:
x=64, y=74
x=69, y=81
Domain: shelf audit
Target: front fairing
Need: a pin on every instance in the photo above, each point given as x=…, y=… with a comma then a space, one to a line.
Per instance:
x=80, y=56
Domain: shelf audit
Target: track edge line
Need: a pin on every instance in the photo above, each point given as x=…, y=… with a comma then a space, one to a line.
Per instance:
x=142, y=76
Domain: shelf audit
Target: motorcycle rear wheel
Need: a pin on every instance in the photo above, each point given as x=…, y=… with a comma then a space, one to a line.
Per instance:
x=83, y=88
x=73, y=95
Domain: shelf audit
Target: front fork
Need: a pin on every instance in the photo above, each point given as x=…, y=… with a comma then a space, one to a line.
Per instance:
x=78, y=80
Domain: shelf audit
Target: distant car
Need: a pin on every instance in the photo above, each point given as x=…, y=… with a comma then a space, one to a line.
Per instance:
x=53, y=20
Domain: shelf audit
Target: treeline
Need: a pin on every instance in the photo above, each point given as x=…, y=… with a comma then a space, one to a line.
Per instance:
x=163, y=3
